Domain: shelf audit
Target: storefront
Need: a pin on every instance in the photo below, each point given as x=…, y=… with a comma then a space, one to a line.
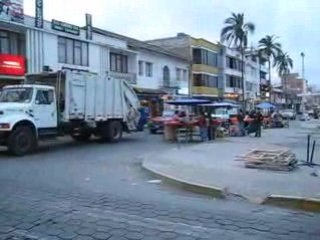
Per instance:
x=152, y=99
x=12, y=69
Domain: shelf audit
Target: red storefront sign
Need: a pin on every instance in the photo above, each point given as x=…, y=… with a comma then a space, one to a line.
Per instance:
x=13, y=65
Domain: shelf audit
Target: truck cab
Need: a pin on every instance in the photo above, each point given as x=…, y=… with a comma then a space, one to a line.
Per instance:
x=25, y=112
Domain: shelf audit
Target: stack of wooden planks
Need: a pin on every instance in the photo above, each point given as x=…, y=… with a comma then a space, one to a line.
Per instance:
x=278, y=160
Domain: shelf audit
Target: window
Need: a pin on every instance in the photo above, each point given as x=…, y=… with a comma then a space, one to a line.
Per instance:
x=72, y=51
x=140, y=68
x=249, y=86
x=148, y=69
x=202, y=56
x=185, y=77
x=233, y=81
x=118, y=63
x=234, y=63
x=166, y=76
x=44, y=97
x=4, y=42
x=204, y=80
x=178, y=74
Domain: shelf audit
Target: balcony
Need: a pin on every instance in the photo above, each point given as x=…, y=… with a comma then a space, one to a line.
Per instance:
x=205, y=69
x=129, y=77
x=169, y=84
x=214, y=92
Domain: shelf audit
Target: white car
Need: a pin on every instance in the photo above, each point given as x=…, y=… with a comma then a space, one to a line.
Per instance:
x=304, y=117
x=288, y=114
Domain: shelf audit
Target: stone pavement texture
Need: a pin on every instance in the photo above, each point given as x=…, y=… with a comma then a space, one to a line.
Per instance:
x=213, y=165
x=37, y=214
x=99, y=191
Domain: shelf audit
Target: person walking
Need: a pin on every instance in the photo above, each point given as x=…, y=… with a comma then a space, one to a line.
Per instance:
x=240, y=118
x=258, y=122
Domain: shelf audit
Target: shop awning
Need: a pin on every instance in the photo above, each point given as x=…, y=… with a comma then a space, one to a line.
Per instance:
x=149, y=91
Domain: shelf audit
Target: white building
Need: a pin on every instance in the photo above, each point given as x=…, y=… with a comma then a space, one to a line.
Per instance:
x=59, y=45
x=252, y=78
x=231, y=72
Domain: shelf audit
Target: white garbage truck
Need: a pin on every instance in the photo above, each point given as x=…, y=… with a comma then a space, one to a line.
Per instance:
x=79, y=104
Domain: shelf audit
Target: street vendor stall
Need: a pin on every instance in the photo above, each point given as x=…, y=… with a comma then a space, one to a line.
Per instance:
x=183, y=126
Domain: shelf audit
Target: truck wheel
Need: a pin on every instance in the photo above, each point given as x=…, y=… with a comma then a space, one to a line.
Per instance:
x=114, y=131
x=22, y=141
x=81, y=136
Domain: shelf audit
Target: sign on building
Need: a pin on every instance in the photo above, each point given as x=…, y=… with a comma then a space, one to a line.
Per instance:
x=39, y=14
x=12, y=10
x=65, y=27
x=89, y=26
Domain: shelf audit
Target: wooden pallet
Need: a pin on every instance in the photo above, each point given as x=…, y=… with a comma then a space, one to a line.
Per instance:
x=280, y=160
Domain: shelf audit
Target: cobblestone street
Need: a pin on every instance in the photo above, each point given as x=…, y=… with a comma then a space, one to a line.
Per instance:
x=42, y=198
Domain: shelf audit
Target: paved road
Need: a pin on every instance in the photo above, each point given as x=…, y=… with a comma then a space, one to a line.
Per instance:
x=97, y=191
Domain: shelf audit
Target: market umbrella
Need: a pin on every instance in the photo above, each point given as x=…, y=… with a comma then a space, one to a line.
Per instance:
x=188, y=101
x=220, y=104
x=265, y=105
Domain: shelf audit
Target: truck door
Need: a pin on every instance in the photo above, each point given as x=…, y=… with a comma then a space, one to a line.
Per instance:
x=45, y=109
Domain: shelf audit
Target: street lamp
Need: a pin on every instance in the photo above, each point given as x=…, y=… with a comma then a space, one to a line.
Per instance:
x=302, y=57
x=305, y=82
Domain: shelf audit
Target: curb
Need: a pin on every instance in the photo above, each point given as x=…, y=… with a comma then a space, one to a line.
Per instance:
x=291, y=202
x=301, y=203
x=185, y=185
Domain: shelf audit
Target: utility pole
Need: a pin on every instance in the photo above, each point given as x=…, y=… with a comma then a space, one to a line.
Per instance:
x=305, y=82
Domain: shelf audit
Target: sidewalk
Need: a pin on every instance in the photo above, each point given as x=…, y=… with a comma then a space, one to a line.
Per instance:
x=213, y=166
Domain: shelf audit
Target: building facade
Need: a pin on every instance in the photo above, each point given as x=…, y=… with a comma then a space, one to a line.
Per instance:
x=205, y=63
x=55, y=46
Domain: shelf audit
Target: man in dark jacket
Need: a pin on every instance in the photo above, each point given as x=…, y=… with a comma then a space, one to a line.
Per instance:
x=258, y=119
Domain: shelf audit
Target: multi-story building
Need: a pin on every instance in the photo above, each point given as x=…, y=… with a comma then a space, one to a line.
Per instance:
x=295, y=88
x=56, y=45
x=205, y=61
x=231, y=72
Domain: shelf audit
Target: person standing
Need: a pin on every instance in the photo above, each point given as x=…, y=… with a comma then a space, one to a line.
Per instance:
x=240, y=118
x=203, y=127
x=258, y=122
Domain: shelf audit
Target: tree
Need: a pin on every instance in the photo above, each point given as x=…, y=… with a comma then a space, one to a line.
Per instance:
x=271, y=49
x=284, y=64
x=235, y=33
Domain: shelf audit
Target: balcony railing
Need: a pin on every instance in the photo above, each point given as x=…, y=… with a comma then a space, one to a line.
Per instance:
x=129, y=77
x=172, y=83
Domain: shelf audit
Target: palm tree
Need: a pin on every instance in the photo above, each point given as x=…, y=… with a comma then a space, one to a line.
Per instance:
x=271, y=49
x=235, y=33
x=284, y=64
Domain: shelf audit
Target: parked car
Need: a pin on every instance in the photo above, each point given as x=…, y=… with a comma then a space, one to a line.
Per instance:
x=304, y=117
x=288, y=114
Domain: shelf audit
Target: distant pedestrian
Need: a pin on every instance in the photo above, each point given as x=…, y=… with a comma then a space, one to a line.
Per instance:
x=258, y=123
x=240, y=118
x=203, y=127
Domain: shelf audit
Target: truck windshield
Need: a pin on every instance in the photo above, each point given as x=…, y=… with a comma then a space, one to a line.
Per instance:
x=18, y=95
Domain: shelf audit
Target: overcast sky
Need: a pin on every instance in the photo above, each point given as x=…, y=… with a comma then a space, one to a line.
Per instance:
x=296, y=22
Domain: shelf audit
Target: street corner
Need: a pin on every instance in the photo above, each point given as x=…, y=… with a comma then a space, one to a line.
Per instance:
x=183, y=184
